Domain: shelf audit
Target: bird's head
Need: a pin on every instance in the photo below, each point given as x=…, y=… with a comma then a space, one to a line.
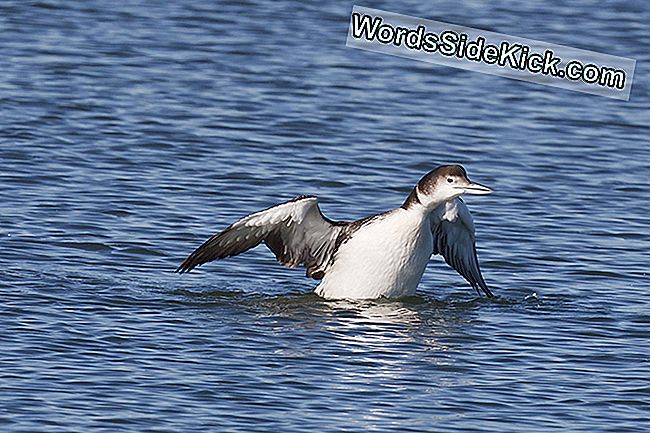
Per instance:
x=445, y=183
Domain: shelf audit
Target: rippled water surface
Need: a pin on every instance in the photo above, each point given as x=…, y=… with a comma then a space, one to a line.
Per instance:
x=131, y=131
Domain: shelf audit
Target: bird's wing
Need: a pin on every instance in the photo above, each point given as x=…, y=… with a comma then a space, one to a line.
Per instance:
x=453, y=238
x=296, y=231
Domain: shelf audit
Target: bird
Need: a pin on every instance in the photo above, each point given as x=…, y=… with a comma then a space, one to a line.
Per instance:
x=380, y=256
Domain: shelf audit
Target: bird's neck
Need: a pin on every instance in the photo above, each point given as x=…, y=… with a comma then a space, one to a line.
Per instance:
x=414, y=203
x=412, y=200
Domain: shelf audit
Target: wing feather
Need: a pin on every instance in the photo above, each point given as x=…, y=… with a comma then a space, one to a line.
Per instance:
x=454, y=239
x=295, y=231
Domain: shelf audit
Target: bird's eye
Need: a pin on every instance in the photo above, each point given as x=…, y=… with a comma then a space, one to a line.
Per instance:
x=450, y=180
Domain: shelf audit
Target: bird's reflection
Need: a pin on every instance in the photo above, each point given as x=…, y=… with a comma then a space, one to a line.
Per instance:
x=374, y=324
x=355, y=345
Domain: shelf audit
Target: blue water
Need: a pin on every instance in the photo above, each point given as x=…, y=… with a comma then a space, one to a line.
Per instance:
x=132, y=131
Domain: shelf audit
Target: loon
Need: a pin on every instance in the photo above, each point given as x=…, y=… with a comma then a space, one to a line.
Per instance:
x=383, y=255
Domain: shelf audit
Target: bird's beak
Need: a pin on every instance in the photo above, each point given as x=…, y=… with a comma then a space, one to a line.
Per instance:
x=476, y=188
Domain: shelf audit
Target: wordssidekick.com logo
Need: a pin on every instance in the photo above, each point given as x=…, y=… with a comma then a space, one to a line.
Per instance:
x=489, y=52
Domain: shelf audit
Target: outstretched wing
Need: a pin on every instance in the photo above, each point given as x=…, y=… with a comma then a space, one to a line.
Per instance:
x=295, y=231
x=453, y=238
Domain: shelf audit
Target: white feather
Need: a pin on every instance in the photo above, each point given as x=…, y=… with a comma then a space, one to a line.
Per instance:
x=386, y=257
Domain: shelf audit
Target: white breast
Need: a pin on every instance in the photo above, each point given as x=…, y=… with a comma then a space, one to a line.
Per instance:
x=384, y=258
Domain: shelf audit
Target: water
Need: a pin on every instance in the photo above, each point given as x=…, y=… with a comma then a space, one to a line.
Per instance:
x=132, y=131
